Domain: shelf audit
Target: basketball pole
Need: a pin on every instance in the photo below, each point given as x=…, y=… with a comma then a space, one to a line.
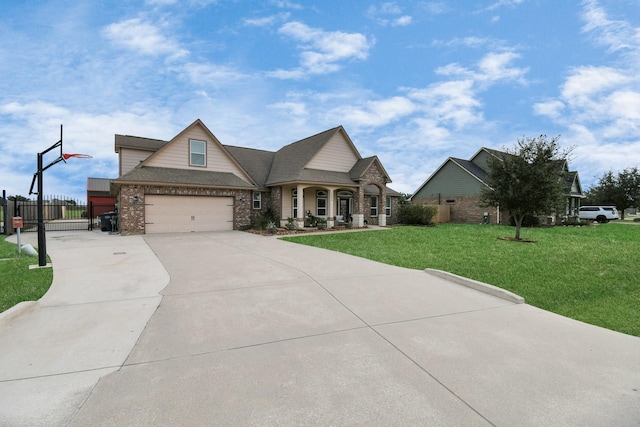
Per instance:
x=42, y=241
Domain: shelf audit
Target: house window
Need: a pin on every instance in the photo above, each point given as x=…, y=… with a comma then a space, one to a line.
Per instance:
x=387, y=210
x=374, y=205
x=321, y=203
x=197, y=153
x=257, y=200
x=294, y=203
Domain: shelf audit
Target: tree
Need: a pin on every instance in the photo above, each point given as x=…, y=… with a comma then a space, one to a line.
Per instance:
x=621, y=191
x=528, y=179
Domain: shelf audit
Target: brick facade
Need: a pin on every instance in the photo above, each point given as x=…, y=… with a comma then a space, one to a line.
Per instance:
x=132, y=202
x=463, y=209
x=375, y=176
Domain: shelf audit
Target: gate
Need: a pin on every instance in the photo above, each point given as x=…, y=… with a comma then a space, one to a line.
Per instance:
x=59, y=214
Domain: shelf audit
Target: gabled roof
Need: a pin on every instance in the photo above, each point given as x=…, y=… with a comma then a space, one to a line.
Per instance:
x=138, y=143
x=171, y=176
x=466, y=165
x=264, y=168
x=471, y=168
x=481, y=175
x=358, y=170
x=211, y=136
x=289, y=162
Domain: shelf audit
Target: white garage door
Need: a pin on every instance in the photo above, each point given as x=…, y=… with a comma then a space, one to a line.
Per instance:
x=174, y=214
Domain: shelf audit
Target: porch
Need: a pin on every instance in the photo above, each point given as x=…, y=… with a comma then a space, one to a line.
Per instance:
x=309, y=205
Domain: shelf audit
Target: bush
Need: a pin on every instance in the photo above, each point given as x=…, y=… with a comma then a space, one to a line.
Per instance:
x=411, y=214
x=528, y=221
x=264, y=219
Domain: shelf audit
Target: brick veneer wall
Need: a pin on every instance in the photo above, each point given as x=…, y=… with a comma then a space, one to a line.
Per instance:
x=464, y=209
x=132, y=210
x=373, y=175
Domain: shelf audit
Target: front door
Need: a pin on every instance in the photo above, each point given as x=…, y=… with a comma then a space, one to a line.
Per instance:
x=344, y=208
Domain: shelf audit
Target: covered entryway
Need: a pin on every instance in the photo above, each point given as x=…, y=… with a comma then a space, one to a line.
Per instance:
x=174, y=214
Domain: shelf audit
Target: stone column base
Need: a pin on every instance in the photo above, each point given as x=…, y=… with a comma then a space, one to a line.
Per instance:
x=382, y=220
x=358, y=220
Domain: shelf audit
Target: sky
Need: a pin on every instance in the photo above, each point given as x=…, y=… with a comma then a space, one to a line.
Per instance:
x=413, y=82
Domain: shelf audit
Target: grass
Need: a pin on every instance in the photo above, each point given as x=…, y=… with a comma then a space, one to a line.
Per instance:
x=586, y=273
x=19, y=283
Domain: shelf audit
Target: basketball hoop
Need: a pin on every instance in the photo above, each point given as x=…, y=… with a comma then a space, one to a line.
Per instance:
x=77, y=156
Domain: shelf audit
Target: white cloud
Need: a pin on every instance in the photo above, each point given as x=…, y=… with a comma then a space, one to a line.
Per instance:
x=586, y=81
x=322, y=51
x=493, y=67
x=211, y=74
x=615, y=34
x=376, y=113
x=501, y=3
x=388, y=13
x=402, y=21
x=142, y=37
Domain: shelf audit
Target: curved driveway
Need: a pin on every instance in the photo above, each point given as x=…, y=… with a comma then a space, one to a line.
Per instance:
x=252, y=330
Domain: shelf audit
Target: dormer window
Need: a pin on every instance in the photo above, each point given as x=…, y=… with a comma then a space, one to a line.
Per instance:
x=197, y=153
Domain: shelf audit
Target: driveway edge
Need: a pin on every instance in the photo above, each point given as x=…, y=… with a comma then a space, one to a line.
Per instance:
x=8, y=315
x=479, y=286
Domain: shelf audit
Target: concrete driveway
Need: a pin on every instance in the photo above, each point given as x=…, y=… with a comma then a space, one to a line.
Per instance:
x=251, y=330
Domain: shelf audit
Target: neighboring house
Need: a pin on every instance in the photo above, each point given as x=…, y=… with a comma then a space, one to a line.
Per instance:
x=99, y=198
x=458, y=183
x=195, y=183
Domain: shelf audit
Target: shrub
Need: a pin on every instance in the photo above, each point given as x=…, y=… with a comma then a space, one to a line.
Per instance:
x=268, y=216
x=412, y=214
x=528, y=221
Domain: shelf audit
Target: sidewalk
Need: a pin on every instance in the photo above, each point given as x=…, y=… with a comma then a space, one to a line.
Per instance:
x=105, y=289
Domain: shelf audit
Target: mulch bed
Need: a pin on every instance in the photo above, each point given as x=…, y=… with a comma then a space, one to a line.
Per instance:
x=287, y=232
x=513, y=239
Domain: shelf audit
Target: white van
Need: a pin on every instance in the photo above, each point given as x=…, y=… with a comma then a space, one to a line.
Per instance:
x=598, y=213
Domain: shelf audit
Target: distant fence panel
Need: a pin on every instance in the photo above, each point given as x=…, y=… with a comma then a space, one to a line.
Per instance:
x=59, y=214
x=443, y=214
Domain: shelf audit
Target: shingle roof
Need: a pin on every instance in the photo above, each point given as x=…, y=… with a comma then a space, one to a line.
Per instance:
x=470, y=167
x=360, y=167
x=138, y=143
x=289, y=161
x=156, y=175
x=257, y=163
x=374, y=190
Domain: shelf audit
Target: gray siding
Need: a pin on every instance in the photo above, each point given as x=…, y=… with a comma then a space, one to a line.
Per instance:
x=450, y=180
x=481, y=160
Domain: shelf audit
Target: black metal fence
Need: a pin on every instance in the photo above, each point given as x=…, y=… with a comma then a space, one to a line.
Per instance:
x=59, y=213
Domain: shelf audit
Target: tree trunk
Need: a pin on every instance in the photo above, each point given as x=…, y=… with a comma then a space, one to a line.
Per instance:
x=518, y=220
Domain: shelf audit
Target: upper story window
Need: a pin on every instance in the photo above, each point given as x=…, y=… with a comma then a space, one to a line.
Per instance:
x=257, y=200
x=197, y=153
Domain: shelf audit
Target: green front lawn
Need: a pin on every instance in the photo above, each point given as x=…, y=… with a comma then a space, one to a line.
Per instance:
x=19, y=283
x=586, y=273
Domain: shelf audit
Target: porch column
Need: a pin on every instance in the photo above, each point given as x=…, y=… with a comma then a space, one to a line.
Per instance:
x=300, y=199
x=382, y=208
x=331, y=214
x=358, y=215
